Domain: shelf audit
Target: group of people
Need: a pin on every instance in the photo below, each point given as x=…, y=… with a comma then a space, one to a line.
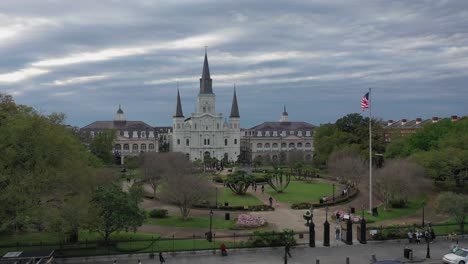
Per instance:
x=415, y=237
x=254, y=187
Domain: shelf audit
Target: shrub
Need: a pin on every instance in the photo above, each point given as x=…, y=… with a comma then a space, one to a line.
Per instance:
x=272, y=238
x=218, y=179
x=158, y=213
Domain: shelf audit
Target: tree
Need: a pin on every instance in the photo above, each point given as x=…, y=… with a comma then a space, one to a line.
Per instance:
x=347, y=166
x=155, y=167
x=114, y=210
x=349, y=132
x=279, y=180
x=102, y=144
x=239, y=182
x=398, y=181
x=183, y=186
x=258, y=161
x=44, y=169
x=455, y=205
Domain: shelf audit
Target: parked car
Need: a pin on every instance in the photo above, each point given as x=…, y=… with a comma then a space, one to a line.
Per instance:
x=458, y=256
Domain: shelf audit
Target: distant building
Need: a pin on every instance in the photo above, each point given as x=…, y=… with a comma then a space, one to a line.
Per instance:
x=404, y=127
x=206, y=133
x=133, y=137
x=269, y=139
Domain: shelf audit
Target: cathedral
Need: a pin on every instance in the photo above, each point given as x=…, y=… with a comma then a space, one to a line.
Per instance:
x=206, y=133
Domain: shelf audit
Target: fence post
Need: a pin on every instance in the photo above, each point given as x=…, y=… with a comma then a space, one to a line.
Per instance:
x=193, y=238
x=234, y=239
x=347, y=260
x=214, y=241
x=173, y=240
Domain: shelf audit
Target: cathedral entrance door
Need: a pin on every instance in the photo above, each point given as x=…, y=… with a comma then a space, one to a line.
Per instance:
x=206, y=155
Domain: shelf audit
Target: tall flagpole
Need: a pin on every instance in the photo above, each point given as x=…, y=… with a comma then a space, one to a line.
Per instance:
x=370, y=151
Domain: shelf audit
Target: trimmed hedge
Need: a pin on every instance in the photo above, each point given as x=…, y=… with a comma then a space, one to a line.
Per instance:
x=338, y=200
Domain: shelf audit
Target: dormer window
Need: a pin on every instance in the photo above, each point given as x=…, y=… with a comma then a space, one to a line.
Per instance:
x=143, y=134
x=267, y=133
x=275, y=133
x=283, y=133
x=307, y=133
x=299, y=133
x=291, y=132
x=259, y=133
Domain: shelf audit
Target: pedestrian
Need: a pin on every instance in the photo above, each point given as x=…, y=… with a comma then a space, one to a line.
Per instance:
x=288, y=250
x=255, y=187
x=223, y=249
x=263, y=188
x=161, y=258
x=337, y=233
x=115, y=261
x=139, y=261
x=271, y=201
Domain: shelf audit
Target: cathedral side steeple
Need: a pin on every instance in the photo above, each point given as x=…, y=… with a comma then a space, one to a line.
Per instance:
x=234, y=107
x=119, y=116
x=178, y=112
x=284, y=116
x=205, y=80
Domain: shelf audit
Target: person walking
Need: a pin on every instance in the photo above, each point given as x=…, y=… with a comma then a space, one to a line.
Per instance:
x=161, y=258
x=271, y=201
x=139, y=261
x=263, y=188
x=337, y=233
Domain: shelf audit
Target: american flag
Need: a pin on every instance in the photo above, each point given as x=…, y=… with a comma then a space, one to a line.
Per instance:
x=365, y=102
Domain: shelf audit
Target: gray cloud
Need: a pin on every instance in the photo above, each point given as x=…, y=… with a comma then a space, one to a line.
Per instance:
x=84, y=58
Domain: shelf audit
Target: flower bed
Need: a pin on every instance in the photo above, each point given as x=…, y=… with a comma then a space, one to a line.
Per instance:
x=250, y=221
x=341, y=214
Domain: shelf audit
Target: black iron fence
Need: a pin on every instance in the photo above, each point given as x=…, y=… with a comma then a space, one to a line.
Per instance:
x=158, y=244
x=449, y=230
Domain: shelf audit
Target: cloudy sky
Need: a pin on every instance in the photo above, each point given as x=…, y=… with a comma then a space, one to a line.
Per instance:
x=84, y=58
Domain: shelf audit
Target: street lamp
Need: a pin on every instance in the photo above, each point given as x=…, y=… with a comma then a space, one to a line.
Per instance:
x=423, y=205
x=333, y=193
x=210, y=234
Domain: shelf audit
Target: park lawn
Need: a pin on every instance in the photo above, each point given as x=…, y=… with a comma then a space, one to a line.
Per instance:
x=193, y=222
x=226, y=195
x=413, y=206
x=300, y=191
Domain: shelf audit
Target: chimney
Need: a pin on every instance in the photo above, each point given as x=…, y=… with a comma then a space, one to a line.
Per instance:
x=403, y=121
x=389, y=122
x=454, y=118
x=418, y=120
x=435, y=119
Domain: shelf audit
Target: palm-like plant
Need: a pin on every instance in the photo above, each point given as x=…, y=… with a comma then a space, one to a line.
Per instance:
x=239, y=182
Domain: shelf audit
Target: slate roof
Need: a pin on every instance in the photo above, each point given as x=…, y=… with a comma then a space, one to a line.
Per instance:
x=280, y=126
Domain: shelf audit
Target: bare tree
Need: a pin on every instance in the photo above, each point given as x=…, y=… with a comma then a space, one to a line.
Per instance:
x=347, y=166
x=183, y=186
x=400, y=180
x=155, y=168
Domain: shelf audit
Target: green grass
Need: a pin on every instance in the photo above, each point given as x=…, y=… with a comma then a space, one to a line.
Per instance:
x=226, y=195
x=193, y=222
x=391, y=213
x=300, y=191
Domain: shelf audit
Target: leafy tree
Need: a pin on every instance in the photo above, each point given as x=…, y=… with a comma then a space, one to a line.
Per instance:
x=114, y=210
x=455, y=205
x=239, y=182
x=40, y=157
x=102, y=144
x=349, y=132
x=258, y=161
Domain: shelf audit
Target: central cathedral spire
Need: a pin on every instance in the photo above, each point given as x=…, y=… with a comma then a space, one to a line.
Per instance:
x=205, y=80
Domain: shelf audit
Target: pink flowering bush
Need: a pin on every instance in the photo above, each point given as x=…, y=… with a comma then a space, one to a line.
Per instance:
x=250, y=221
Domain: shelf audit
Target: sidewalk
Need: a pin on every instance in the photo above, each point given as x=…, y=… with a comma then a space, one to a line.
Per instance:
x=337, y=254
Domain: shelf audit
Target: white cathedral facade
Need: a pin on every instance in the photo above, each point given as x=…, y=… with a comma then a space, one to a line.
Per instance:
x=206, y=133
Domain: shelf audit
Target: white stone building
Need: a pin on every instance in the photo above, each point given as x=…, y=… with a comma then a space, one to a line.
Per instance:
x=206, y=133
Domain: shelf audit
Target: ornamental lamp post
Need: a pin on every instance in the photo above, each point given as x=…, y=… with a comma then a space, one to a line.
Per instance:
x=308, y=216
x=423, y=205
x=326, y=230
x=210, y=233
